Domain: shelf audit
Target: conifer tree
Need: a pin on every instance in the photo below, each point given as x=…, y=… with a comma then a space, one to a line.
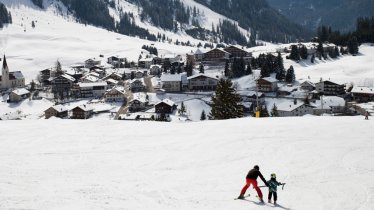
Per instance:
x=183, y=109
x=201, y=68
x=295, y=55
x=225, y=102
x=203, y=116
x=249, y=69
x=290, y=75
x=274, y=111
x=227, y=69
x=320, y=50
x=304, y=52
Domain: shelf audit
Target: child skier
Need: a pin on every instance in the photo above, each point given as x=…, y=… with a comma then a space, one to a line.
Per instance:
x=273, y=184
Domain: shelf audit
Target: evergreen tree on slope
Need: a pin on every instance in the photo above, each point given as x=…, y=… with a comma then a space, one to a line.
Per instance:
x=225, y=102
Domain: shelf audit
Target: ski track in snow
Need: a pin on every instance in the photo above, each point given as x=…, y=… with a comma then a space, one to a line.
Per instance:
x=325, y=161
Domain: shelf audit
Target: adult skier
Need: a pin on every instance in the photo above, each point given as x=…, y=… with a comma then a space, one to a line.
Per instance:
x=251, y=179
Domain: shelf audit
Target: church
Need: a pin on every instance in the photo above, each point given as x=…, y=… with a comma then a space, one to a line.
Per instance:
x=11, y=79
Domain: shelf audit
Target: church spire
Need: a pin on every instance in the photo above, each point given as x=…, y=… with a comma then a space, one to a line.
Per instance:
x=5, y=65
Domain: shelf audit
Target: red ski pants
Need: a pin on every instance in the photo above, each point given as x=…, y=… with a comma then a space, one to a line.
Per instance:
x=254, y=183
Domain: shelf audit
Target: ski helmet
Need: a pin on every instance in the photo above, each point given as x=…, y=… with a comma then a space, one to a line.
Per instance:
x=256, y=167
x=273, y=175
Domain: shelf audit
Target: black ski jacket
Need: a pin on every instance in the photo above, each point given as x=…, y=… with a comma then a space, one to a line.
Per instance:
x=254, y=173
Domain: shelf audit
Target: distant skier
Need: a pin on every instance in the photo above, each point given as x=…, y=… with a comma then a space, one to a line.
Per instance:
x=366, y=115
x=273, y=184
x=251, y=179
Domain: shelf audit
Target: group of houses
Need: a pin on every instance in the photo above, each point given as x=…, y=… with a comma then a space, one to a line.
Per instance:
x=218, y=55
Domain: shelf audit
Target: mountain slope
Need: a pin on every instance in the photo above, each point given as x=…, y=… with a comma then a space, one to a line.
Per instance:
x=340, y=14
x=325, y=161
x=258, y=15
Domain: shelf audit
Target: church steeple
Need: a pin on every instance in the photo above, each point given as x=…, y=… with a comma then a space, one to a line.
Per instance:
x=5, y=65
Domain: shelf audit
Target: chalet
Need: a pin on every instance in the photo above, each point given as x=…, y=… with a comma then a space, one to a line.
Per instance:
x=18, y=95
x=330, y=88
x=111, y=83
x=116, y=61
x=146, y=62
x=45, y=75
x=76, y=73
x=363, y=94
x=116, y=94
x=82, y=112
x=293, y=109
x=216, y=55
x=137, y=85
x=155, y=69
x=62, y=84
x=90, y=78
x=92, y=62
x=11, y=79
x=253, y=97
x=285, y=90
x=329, y=105
x=199, y=55
x=114, y=75
x=191, y=59
x=236, y=52
x=138, y=103
x=58, y=111
x=248, y=107
x=139, y=74
x=267, y=84
x=175, y=60
x=307, y=86
x=202, y=82
x=173, y=82
x=95, y=89
x=166, y=106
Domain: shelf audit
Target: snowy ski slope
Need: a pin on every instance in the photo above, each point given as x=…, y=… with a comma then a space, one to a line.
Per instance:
x=327, y=163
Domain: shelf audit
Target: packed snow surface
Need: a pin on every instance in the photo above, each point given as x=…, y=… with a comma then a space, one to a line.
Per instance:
x=326, y=162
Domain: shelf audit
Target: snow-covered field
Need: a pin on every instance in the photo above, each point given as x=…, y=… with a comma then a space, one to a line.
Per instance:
x=65, y=164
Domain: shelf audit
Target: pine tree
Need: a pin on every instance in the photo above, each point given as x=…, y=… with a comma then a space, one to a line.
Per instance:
x=265, y=70
x=183, y=109
x=32, y=86
x=179, y=69
x=225, y=102
x=274, y=111
x=281, y=75
x=353, y=45
x=172, y=71
x=201, y=68
x=249, y=69
x=320, y=50
x=203, y=116
x=290, y=75
x=295, y=55
x=304, y=52
x=227, y=69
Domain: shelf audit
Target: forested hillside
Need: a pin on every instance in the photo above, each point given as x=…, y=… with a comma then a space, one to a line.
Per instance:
x=258, y=15
x=5, y=16
x=340, y=14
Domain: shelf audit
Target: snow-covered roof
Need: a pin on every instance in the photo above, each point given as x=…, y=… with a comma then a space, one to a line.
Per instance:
x=158, y=66
x=142, y=97
x=20, y=91
x=91, y=78
x=307, y=82
x=85, y=107
x=254, y=94
x=199, y=51
x=95, y=74
x=366, y=90
x=270, y=79
x=167, y=101
x=146, y=60
x=92, y=84
x=171, y=77
x=287, y=88
x=68, y=77
x=246, y=104
x=333, y=101
x=17, y=74
x=137, y=79
x=289, y=106
x=198, y=75
x=59, y=108
x=112, y=81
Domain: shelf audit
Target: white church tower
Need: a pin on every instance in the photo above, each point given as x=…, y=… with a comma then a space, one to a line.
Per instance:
x=5, y=75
